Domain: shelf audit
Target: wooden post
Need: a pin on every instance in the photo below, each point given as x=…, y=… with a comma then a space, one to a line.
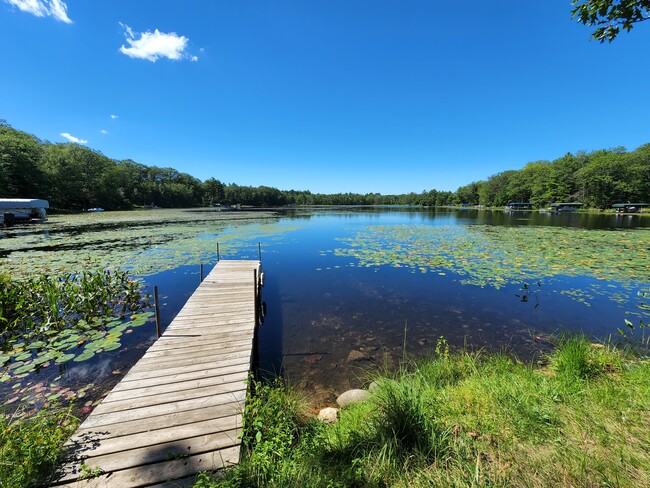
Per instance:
x=201, y=274
x=217, y=252
x=256, y=297
x=155, y=301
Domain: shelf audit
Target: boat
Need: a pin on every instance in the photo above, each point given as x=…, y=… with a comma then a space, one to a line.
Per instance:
x=22, y=210
x=96, y=209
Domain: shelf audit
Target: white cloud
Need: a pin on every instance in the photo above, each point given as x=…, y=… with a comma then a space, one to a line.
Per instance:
x=113, y=116
x=41, y=8
x=155, y=45
x=58, y=9
x=103, y=131
x=72, y=138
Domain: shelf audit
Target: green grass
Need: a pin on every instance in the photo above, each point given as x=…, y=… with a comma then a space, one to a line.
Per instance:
x=464, y=419
x=31, y=448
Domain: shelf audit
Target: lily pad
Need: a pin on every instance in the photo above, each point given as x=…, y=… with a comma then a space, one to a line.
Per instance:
x=84, y=356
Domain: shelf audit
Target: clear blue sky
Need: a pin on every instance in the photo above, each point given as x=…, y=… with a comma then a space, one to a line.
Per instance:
x=329, y=96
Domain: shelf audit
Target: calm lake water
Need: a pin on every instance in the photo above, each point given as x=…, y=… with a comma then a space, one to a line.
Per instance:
x=353, y=291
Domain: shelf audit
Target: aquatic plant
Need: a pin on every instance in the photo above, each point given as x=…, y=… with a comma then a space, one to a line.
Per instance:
x=45, y=320
x=497, y=256
x=144, y=243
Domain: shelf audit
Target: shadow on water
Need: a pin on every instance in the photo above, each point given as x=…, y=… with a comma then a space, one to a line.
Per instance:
x=269, y=334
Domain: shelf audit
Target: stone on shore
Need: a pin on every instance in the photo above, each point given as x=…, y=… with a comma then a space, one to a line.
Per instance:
x=352, y=396
x=329, y=415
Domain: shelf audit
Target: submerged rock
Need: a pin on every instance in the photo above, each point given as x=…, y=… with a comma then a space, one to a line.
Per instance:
x=329, y=415
x=352, y=396
x=356, y=356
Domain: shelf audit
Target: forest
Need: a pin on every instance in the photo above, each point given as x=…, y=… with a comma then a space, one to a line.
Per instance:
x=74, y=177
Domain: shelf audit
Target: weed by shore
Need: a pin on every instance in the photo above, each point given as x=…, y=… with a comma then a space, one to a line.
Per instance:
x=463, y=419
x=30, y=448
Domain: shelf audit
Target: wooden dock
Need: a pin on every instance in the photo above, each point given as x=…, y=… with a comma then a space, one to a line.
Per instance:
x=178, y=410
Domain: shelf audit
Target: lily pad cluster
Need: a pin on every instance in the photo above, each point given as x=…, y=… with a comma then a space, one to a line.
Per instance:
x=497, y=256
x=142, y=242
x=78, y=344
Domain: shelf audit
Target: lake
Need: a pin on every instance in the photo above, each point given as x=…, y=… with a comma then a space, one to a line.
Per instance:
x=355, y=290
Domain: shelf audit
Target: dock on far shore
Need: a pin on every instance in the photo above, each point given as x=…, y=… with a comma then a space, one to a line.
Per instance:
x=178, y=411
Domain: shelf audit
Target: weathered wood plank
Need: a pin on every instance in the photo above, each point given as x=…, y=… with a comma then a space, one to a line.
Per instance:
x=236, y=399
x=145, y=363
x=207, y=365
x=161, y=472
x=176, y=449
x=169, y=397
x=174, y=378
x=176, y=387
x=170, y=420
x=115, y=444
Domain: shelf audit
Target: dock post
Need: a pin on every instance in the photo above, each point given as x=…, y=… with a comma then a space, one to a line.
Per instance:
x=256, y=292
x=259, y=251
x=155, y=301
x=201, y=274
x=218, y=252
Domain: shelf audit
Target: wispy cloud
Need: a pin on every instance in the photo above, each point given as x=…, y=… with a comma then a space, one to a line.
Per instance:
x=42, y=8
x=103, y=131
x=155, y=45
x=72, y=138
x=113, y=116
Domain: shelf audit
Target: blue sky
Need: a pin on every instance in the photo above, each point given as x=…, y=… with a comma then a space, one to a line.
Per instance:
x=329, y=96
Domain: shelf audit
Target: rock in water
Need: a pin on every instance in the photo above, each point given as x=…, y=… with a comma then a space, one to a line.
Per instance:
x=355, y=356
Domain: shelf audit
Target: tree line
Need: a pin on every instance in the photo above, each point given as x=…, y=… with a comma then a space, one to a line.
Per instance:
x=597, y=179
x=74, y=177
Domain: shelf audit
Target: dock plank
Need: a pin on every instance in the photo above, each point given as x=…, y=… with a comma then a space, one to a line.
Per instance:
x=178, y=411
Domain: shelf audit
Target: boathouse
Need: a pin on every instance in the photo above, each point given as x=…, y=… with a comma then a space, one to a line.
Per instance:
x=519, y=206
x=629, y=207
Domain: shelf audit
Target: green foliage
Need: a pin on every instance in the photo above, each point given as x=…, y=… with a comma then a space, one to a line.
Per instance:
x=271, y=427
x=45, y=319
x=277, y=441
x=576, y=359
x=38, y=305
x=31, y=448
x=465, y=419
x=406, y=417
x=20, y=154
x=610, y=15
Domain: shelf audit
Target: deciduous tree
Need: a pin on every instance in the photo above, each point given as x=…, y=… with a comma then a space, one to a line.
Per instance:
x=610, y=16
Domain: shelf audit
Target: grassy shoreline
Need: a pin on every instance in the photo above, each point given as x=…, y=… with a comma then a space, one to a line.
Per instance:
x=463, y=419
